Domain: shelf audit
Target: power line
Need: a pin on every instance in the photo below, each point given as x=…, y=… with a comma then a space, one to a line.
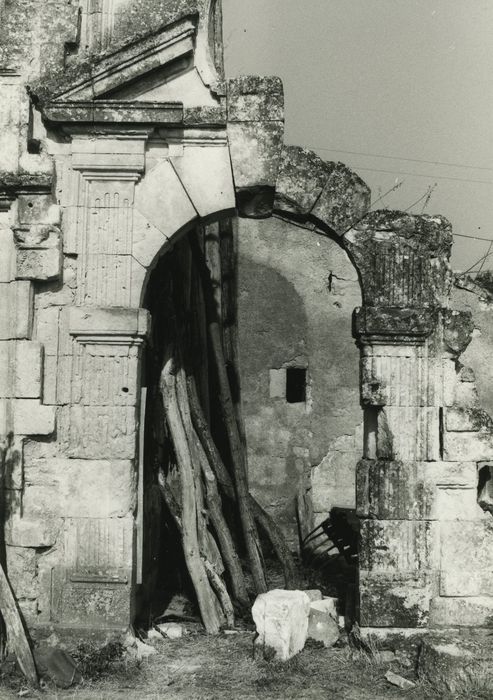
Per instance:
x=410, y=160
x=476, y=238
x=434, y=177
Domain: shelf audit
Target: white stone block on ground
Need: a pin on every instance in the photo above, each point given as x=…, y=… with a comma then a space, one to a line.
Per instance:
x=281, y=619
x=322, y=622
x=172, y=630
x=314, y=594
x=329, y=605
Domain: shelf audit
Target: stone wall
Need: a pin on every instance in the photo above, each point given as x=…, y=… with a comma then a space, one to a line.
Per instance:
x=96, y=182
x=296, y=293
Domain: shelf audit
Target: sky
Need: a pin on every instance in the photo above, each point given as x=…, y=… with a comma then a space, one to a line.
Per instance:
x=399, y=90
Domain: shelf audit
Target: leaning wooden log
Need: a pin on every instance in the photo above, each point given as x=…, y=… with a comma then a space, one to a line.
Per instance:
x=222, y=593
x=238, y=455
x=214, y=507
x=16, y=633
x=278, y=542
x=191, y=549
x=207, y=544
x=273, y=532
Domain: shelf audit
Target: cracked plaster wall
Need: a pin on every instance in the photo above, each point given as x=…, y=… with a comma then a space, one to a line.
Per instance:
x=296, y=294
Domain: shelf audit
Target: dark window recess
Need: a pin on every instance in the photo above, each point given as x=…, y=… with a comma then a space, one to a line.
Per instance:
x=295, y=385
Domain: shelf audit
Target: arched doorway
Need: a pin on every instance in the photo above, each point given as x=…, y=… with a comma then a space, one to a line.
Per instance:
x=286, y=298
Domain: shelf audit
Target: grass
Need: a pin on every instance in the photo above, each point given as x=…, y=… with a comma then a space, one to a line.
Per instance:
x=198, y=667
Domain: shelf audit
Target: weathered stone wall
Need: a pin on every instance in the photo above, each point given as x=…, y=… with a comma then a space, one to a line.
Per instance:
x=296, y=293
x=95, y=183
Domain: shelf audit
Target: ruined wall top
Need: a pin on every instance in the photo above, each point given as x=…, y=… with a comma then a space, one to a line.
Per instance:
x=42, y=38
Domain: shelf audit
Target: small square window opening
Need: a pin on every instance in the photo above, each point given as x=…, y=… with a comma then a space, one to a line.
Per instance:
x=295, y=384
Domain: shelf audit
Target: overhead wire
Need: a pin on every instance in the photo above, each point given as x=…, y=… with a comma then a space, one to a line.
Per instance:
x=409, y=160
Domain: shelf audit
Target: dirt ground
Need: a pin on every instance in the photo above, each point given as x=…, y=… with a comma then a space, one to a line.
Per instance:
x=197, y=667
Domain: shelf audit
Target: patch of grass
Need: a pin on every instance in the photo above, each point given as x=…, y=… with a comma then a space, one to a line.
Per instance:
x=94, y=661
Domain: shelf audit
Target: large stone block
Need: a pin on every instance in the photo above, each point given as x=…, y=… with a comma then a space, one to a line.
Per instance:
x=456, y=666
x=395, y=376
x=108, y=321
x=147, y=242
x=475, y=446
x=20, y=369
x=31, y=417
x=467, y=419
x=21, y=570
x=38, y=264
x=89, y=153
x=47, y=327
x=105, y=374
x=79, y=488
x=281, y=619
x=409, y=433
x=400, y=599
x=302, y=177
x=253, y=98
x=196, y=167
x=24, y=531
x=7, y=258
x=344, y=200
x=86, y=580
x=13, y=468
x=255, y=153
x=37, y=209
x=391, y=546
x=161, y=198
x=462, y=612
x=322, y=622
x=102, y=432
x=16, y=310
x=39, y=252
x=466, y=558
x=389, y=490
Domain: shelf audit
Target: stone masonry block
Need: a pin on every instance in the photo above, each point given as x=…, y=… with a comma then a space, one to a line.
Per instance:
x=16, y=310
x=253, y=98
x=455, y=664
x=344, y=200
x=102, y=432
x=21, y=570
x=21, y=364
x=466, y=559
x=462, y=612
x=47, y=327
x=23, y=531
x=409, y=433
x=400, y=599
x=13, y=467
x=467, y=419
x=39, y=264
x=390, y=490
x=37, y=209
x=7, y=258
x=474, y=446
x=162, y=199
x=255, y=153
x=281, y=619
x=398, y=545
x=79, y=488
x=28, y=369
x=50, y=379
x=108, y=321
x=302, y=177
x=147, y=240
x=194, y=169
x=32, y=418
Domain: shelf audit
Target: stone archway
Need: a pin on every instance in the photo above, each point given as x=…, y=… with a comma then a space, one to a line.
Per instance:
x=130, y=174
